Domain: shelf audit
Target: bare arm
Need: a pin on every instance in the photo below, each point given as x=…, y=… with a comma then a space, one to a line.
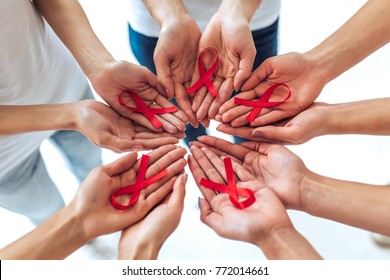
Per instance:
x=364, y=33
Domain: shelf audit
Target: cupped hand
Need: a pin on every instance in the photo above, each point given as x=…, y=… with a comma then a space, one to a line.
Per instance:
x=175, y=63
x=116, y=77
x=144, y=239
x=273, y=165
x=92, y=201
x=232, y=38
x=252, y=224
x=310, y=123
x=301, y=74
x=106, y=128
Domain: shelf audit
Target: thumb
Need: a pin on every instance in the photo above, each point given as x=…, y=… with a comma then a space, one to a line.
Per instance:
x=244, y=69
x=259, y=75
x=278, y=133
x=165, y=75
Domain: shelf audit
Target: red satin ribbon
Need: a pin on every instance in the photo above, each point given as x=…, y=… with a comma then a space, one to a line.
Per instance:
x=205, y=76
x=231, y=188
x=135, y=189
x=143, y=108
x=262, y=102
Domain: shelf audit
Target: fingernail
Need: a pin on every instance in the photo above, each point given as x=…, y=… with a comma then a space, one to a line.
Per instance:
x=257, y=134
x=239, y=86
x=138, y=147
x=185, y=177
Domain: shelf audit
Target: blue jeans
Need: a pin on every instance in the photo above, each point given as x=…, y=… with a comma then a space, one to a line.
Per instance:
x=266, y=43
x=28, y=188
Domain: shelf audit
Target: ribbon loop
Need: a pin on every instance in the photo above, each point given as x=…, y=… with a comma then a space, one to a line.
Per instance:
x=205, y=75
x=135, y=189
x=258, y=105
x=231, y=188
x=143, y=108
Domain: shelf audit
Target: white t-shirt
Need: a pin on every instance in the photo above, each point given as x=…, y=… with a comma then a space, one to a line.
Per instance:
x=202, y=11
x=35, y=68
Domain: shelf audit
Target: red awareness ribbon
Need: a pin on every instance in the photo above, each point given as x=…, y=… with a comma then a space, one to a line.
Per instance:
x=231, y=188
x=205, y=76
x=135, y=189
x=263, y=101
x=143, y=108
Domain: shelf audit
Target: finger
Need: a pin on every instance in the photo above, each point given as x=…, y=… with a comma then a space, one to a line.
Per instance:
x=216, y=151
x=177, y=198
x=216, y=161
x=152, y=143
x=236, y=114
x=184, y=101
x=205, y=122
x=198, y=98
x=142, y=120
x=244, y=132
x=116, y=144
x=225, y=91
x=247, y=58
x=209, y=170
x=284, y=134
x=120, y=165
x=229, y=148
x=165, y=161
x=204, y=109
x=259, y=75
x=229, y=105
x=242, y=173
x=180, y=119
x=173, y=170
x=164, y=74
x=198, y=174
x=261, y=147
x=270, y=117
x=167, y=123
x=153, y=198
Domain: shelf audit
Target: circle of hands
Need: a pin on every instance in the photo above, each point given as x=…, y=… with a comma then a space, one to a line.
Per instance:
x=258, y=166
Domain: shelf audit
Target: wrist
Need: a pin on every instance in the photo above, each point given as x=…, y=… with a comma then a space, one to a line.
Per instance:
x=244, y=9
x=165, y=11
x=144, y=250
x=317, y=63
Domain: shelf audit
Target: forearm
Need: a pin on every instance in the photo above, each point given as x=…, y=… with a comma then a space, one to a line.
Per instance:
x=239, y=8
x=287, y=244
x=29, y=118
x=165, y=10
x=56, y=238
x=367, y=31
x=355, y=204
x=70, y=23
x=348, y=118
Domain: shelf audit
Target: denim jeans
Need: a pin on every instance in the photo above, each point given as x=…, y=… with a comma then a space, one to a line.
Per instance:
x=266, y=43
x=28, y=188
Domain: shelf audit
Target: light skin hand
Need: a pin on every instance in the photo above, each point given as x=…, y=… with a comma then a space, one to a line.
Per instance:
x=265, y=223
x=236, y=51
x=175, y=63
x=310, y=123
x=106, y=128
x=97, y=210
x=273, y=165
x=118, y=76
x=145, y=239
x=301, y=74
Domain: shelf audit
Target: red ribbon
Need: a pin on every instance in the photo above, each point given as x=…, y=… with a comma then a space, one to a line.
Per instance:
x=205, y=76
x=263, y=101
x=143, y=108
x=231, y=188
x=135, y=189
